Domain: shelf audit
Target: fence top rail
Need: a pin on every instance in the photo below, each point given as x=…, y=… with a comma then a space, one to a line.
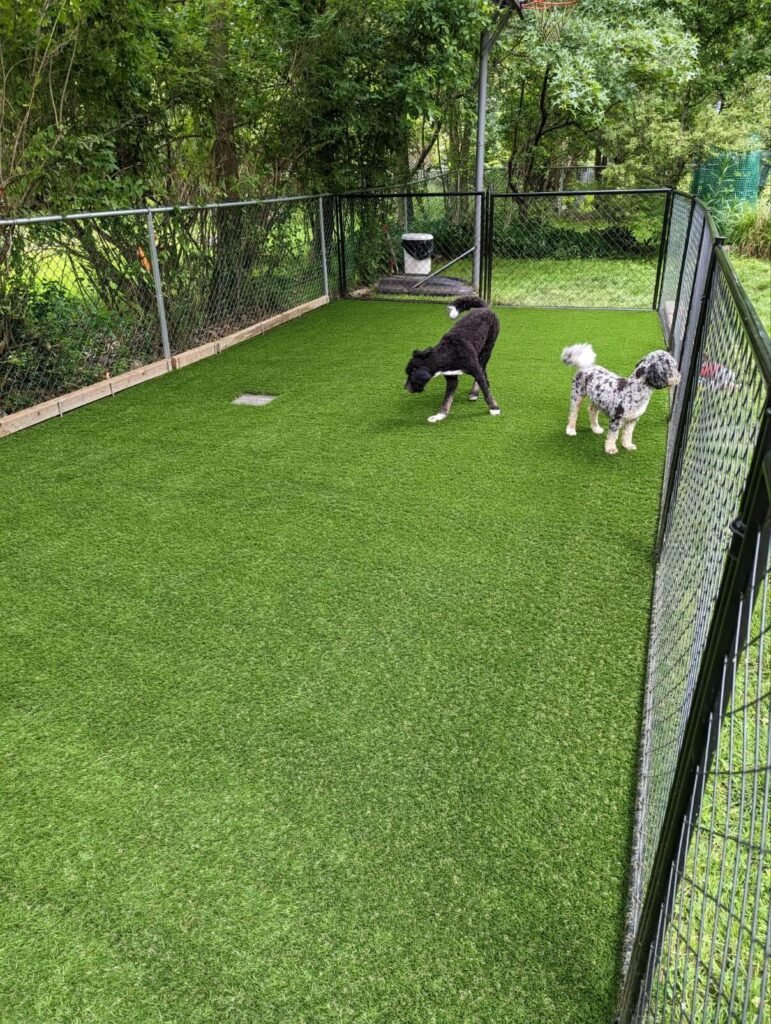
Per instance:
x=761, y=343
x=584, y=192
x=705, y=210
x=144, y=210
x=403, y=195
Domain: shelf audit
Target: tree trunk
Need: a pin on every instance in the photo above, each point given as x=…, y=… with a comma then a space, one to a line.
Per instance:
x=224, y=149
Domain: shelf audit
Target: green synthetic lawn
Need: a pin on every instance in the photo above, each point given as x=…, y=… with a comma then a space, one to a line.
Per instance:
x=316, y=712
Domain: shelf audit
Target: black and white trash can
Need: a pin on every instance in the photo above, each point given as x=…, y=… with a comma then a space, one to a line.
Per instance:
x=418, y=250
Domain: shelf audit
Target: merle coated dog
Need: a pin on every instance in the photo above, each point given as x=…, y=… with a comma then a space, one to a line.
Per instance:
x=623, y=399
x=465, y=348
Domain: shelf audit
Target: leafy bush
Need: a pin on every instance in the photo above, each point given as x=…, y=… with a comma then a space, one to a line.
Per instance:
x=749, y=227
x=52, y=342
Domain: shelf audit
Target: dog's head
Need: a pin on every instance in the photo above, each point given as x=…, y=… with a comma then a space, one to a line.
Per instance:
x=417, y=374
x=658, y=370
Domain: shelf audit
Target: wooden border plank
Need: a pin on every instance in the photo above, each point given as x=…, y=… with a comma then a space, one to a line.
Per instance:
x=83, y=396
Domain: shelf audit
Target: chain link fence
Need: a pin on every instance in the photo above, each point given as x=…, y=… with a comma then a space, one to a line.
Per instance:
x=89, y=297
x=698, y=949
x=572, y=249
x=576, y=249
x=371, y=229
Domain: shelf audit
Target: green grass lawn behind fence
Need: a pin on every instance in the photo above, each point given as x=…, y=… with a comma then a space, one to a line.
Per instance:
x=316, y=712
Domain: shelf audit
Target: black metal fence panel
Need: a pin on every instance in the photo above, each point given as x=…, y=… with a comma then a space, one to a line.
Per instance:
x=698, y=947
x=678, y=231
x=686, y=323
x=576, y=249
x=710, y=957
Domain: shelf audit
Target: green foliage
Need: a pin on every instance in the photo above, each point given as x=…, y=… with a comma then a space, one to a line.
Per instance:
x=748, y=227
x=127, y=102
x=58, y=343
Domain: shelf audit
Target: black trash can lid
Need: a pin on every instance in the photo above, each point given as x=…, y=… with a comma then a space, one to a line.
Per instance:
x=420, y=246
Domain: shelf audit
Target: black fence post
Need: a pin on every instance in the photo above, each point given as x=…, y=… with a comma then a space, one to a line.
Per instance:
x=340, y=226
x=689, y=381
x=487, y=252
x=676, y=310
x=663, y=243
x=754, y=511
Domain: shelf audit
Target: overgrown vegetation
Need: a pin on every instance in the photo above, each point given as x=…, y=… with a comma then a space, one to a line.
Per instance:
x=127, y=102
x=748, y=227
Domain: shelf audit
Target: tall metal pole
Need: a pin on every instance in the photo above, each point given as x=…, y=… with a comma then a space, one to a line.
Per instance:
x=488, y=40
x=323, y=241
x=479, y=179
x=158, y=286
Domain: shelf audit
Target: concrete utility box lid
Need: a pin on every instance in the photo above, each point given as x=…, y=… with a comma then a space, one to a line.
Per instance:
x=253, y=399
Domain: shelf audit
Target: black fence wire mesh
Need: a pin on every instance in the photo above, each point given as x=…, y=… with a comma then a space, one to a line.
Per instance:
x=710, y=957
x=228, y=267
x=698, y=948
x=87, y=297
x=77, y=304
x=576, y=249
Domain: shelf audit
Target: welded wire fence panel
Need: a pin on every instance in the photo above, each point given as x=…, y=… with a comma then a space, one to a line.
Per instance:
x=77, y=305
x=711, y=957
x=677, y=241
x=577, y=249
x=372, y=227
x=725, y=420
x=225, y=268
x=690, y=258
x=694, y=281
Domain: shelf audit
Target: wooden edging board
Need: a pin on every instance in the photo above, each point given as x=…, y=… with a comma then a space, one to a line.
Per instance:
x=112, y=385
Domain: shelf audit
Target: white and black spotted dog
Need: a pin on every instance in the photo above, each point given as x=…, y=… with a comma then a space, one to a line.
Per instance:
x=465, y=348
x=622, y=399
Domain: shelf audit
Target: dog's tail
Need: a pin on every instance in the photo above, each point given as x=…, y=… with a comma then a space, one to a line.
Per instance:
x=463, y=303
x=581, y=356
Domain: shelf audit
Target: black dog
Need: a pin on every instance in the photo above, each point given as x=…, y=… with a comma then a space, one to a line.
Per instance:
x=465, y=348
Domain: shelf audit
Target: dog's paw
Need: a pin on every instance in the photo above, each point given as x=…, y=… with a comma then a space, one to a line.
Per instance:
x=598, y=430
x=611, y=451
x=495, y=412
x=437, y=417
x=473, y=398
x=630, y=447
x=570, y=431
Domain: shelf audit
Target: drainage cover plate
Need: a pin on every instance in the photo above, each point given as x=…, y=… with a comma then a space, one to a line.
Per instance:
x=253, y=399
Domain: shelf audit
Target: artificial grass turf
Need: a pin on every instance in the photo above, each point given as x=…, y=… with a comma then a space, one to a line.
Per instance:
x=316, y=712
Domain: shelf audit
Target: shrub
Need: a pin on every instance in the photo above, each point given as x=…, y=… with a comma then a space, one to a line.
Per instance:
x=749, y=227
x=54, y=342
